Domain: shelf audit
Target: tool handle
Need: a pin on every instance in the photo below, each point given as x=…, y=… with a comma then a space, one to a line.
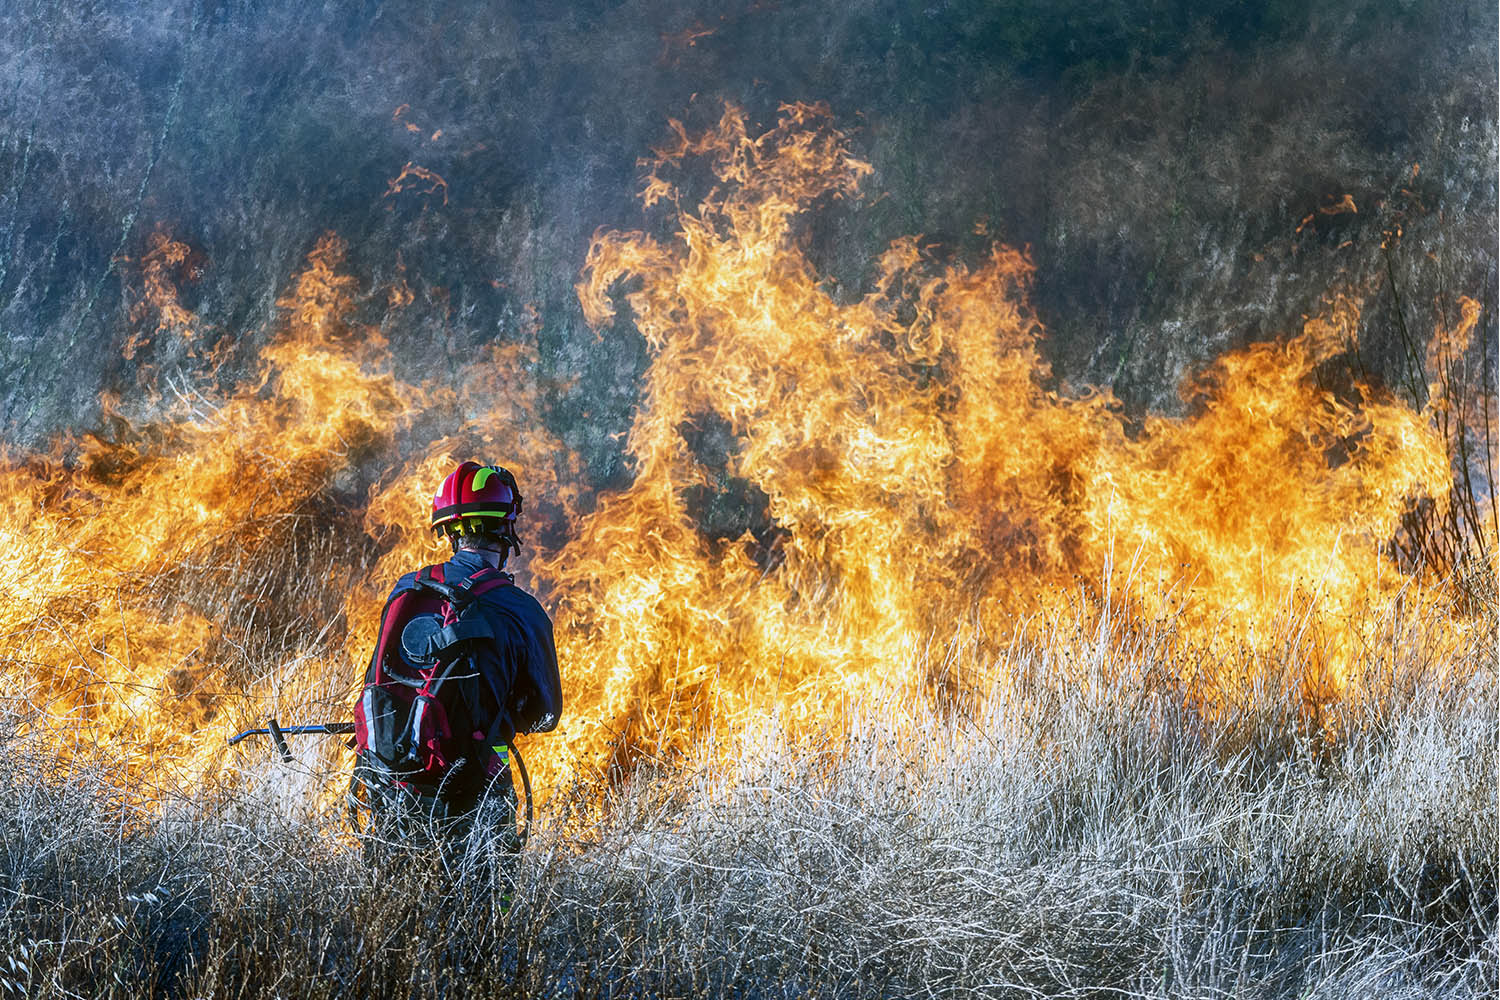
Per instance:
x=317, y=729
x=278, y=738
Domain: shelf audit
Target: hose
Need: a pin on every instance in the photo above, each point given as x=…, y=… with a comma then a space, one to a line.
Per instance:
x=526, y=785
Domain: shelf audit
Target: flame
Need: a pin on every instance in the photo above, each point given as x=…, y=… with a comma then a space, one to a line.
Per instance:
x=163, y=260
x=1344, y=204
x=902, y=473
x=920, y=476
x=124, y=561
x=412, y=177
x=673, y=43
x=171, y=581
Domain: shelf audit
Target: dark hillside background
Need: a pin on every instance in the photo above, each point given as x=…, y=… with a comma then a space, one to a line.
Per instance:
x=1178, y=169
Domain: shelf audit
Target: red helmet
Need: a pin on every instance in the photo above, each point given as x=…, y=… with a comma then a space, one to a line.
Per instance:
x=472, y=495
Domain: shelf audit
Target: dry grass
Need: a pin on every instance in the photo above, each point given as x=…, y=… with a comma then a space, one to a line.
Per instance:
x=1093, y=838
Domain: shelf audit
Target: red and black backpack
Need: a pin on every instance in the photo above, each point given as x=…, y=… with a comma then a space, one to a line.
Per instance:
x=416, y=717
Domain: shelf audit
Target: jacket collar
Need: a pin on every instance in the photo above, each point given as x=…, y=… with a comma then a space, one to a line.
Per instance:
x=467, y=562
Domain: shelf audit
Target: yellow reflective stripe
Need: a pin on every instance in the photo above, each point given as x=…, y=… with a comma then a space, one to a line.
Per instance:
x=481, y=477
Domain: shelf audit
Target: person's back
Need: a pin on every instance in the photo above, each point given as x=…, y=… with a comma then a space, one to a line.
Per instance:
x=464, y=661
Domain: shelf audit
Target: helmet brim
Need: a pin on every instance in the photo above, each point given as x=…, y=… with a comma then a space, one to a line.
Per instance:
x=487, y=508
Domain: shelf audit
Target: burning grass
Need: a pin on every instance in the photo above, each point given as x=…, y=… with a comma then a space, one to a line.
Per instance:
x=1078, y=831
x=899, y=461
x=984, y=694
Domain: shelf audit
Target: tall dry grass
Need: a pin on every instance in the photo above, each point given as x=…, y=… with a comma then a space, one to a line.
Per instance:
x=1079, y=830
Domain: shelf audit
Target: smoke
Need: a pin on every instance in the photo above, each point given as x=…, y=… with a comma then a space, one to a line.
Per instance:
x=1156, y=161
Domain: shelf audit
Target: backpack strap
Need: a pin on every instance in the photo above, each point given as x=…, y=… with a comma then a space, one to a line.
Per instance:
x=460, y=631
x=486, y=580
x=459, y=596
x=459, y=627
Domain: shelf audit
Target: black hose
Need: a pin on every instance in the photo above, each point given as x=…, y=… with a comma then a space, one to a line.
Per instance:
x=526, y=785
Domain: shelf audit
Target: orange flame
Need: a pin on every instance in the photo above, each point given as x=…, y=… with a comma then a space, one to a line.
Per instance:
x=163, y=260
x=172, y=581
x=1344, y=204
x=412, y=176
x=920, y=477
x=900, y=472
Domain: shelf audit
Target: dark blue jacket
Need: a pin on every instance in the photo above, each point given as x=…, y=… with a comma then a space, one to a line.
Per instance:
x=520, y=662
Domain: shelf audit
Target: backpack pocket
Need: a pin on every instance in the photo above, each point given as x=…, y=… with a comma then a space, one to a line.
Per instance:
x=382, y=722
x=429, y=735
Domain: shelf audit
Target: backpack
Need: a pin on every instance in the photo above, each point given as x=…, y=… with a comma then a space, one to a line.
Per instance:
x=417, y=714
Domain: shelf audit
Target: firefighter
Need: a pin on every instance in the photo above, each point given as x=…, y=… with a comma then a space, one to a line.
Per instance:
x=464, y=661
